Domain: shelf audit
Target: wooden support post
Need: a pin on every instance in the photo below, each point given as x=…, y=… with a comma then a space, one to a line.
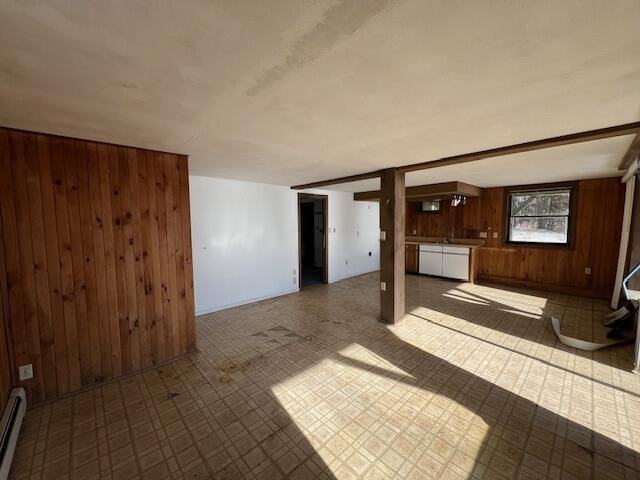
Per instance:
x=392, y=247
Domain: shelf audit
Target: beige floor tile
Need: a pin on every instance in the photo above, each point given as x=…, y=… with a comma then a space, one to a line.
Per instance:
x=471, y=384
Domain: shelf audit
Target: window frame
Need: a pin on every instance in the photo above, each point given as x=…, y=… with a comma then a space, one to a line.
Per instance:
x=542, y=187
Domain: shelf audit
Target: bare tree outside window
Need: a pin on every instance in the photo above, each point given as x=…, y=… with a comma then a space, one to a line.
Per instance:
x=540, y=216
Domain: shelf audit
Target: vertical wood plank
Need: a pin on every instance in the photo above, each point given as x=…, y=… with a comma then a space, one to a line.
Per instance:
x=53, y=265
x=100, y=259
x=171, y=251
x=106, y=222
x=129, y=260
x=12, y=257
x=136, y=202
x=66, y=263
x=181, y=292
x=6, y=365
x=86, y=230
x=185, y=212
x=118, y=242
x=25, y=248
x=147, y=255
x=164, y=255
x=158, y=286
x=77, y=261
x=40, y=268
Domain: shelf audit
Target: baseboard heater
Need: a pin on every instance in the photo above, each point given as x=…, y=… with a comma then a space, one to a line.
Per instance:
x=10, y=428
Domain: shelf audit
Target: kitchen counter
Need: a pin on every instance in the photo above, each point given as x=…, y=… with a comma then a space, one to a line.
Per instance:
x=432, y=256
x=459, y=242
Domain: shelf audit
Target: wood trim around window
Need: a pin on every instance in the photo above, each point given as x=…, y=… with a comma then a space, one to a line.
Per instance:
x=572, y=217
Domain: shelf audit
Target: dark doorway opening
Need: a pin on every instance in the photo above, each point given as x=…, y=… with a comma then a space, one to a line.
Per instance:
x=312, y=226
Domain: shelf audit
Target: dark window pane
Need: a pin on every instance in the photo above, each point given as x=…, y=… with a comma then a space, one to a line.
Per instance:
x=539, y=229
x=551, y=202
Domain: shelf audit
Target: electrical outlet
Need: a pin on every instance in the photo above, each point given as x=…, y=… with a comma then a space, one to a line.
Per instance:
x=383, y=286
x=587, y=271
x=495, y=234
x=295, y=281
x=413, y=232
x=25, y=372
x=383, y=235
x=294, y=272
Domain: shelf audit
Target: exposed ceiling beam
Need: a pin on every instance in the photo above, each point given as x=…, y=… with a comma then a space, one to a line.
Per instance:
x=587, y=136
x=632, y=152
x=419, y=192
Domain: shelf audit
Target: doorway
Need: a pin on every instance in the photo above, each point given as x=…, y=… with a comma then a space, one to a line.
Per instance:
x=312, y=239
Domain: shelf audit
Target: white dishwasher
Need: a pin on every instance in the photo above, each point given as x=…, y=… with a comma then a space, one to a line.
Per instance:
x=430, y=262
x=455, y=262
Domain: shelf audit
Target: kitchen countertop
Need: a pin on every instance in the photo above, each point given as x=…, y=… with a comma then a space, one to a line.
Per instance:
x=458, y=242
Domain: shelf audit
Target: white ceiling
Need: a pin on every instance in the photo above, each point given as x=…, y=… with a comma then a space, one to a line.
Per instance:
x=289, y=92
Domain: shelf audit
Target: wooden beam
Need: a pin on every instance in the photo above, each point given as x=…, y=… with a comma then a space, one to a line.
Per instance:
x=335, y=181
x=587, y=136
x=426, y=191
x=392, y=248
x=632, y=152
x=446, y=188
x=370, y=196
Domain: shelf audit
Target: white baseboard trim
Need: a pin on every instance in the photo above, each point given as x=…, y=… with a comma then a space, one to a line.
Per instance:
x=245, y=302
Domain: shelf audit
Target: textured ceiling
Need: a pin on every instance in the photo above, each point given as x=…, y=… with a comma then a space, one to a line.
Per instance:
x=289, y=92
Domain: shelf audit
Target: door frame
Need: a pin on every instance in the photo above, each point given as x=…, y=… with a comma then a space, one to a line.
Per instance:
x=325, y=215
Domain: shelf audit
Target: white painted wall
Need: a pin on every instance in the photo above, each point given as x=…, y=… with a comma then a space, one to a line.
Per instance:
x=245, y=240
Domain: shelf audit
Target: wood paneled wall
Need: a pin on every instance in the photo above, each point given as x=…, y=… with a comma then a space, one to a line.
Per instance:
x=446, y=222
x=597, y=239
x=6, y=382
x=97, y=244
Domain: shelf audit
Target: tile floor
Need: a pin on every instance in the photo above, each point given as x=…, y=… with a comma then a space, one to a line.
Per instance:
x=472, y=384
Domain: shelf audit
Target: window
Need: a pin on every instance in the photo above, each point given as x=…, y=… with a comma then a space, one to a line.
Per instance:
x=540, y=215
x=432, y=206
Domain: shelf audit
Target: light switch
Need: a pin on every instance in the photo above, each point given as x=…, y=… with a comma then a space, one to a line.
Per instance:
x=383, y=286
x=383, y=235
x=483, y=234
x=495, y=234
x=587, y=271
